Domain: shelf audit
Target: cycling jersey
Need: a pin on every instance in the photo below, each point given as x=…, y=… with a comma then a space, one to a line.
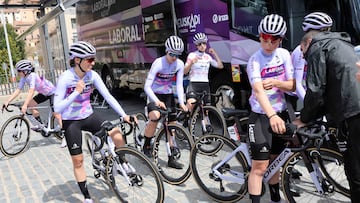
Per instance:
x=74, y=105
x=300, y=68
x=199, y=70
x=40, y=84
x=161, y=77
x=262, y=66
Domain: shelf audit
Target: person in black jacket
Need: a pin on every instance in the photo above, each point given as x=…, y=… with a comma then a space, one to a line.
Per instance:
x=332, y=89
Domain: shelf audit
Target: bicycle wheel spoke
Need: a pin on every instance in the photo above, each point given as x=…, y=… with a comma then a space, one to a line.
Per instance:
x=15, y=135
x=216, y=187
x=180, y=153
x=145, y=182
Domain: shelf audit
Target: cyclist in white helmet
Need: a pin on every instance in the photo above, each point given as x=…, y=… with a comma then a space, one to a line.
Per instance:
x=198, y=64
x=270, y=73
x=313, y=21
x=158, y=87
x=41, y=85
x=72, y=100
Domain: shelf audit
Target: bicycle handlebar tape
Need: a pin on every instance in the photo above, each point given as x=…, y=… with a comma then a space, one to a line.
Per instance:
x=290, y=130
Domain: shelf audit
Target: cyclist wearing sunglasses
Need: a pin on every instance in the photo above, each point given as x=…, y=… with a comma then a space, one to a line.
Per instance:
x=270, y=73
x=164, y=71
x=44, y=87
x=72, y=100
x=198, y=64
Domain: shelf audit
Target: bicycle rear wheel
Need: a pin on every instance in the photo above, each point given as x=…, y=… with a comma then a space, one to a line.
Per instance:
x=302, y=189
x=216, y=126
x=15, y=136
x=202, y=165
x=181, y=154
x=142, y=121
x=146, y=184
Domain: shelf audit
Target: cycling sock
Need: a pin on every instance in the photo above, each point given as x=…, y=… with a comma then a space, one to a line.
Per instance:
x=255, y=198
x=84, y=190
x=274, y=192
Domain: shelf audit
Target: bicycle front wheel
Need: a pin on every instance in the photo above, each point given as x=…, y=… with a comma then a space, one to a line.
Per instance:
x=213, y=122
x=224, y=182
x=54, y=124
x=299, y=186
x=144, y=182
x=15, y=136
x=180, y=153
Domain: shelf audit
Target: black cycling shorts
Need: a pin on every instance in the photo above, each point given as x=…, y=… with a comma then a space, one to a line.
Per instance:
x=195, y=88
x=262, y=141
x=169, y=101
x=73, y=131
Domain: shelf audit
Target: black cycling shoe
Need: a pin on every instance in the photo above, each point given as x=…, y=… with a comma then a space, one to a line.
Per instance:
x=147, y=151
x=172, y=163
x=295, y=174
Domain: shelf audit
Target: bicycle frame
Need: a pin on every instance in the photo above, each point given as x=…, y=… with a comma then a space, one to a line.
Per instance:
x=45, y=128
x=243, y=148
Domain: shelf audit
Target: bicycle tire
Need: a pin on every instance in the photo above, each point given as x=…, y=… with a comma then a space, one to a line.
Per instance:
x=224, y=101
x=151, y=188
x=54, y=124
x=203, y=163
x=302, y=188
x=142, y=121
x=216, y=118
x=15, y=132
x=184, y=145
x=218, y=124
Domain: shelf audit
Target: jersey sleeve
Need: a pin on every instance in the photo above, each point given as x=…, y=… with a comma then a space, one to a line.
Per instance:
x=60, y=102
x=21, y=83
x=289, y=68
x=31, y=80
x=179, y=82
x=253, y=70
x=213, y=62
x=299, y=65
x=155, y=67
x=103, y=90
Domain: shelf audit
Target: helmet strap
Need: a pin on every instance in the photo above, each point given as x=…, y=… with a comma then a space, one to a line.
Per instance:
x=82, y=70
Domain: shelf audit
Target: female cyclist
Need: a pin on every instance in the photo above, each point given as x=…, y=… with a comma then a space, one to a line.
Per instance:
x=198, y=64
x=158, y=86
x=36, y=83
x=72, y=100
x=270, y=73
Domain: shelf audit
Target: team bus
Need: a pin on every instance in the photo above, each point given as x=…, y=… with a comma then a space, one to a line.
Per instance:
x=130, y=34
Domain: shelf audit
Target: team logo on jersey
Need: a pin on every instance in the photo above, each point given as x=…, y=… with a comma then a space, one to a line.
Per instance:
x=166, y=75
x=268, y=72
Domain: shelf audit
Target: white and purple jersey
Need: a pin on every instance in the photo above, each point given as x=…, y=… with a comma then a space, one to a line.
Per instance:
x=161, y=78
x=277, y=66
x=76, y=106
x=300, y=68
x=199, y=70
x=39, y=84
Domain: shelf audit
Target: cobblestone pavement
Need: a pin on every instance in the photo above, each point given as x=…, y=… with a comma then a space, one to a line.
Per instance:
x=43, y=173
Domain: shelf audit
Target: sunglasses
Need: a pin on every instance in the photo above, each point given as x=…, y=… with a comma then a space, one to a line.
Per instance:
x=267, y=37
x=174, y=55
x=90, y=60
x=201, y=43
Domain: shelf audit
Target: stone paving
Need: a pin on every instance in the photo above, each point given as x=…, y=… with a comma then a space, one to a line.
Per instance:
x=43, y=173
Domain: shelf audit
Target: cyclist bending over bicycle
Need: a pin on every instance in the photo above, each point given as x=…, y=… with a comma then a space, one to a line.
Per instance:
x=159, y=88
x=72, y=100
x=43, y=86
x=198, y=64
x=270, y=73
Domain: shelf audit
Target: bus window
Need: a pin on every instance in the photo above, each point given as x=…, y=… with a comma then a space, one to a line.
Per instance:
x=246, y=15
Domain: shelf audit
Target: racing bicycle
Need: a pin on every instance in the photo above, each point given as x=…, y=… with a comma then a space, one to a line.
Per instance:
x=129, y=173
x=15, y=132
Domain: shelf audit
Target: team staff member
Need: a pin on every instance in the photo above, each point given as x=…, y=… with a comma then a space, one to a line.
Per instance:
x=332, y=89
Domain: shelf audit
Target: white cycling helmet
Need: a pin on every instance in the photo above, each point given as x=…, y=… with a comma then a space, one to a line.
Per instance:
x=200, y=38
x=273, y=24
x=82, y=50
x=24, y=66
x=316, y=21
x=174, y=45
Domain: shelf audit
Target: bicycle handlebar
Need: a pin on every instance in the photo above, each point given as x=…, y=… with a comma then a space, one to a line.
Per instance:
x=107, y=126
